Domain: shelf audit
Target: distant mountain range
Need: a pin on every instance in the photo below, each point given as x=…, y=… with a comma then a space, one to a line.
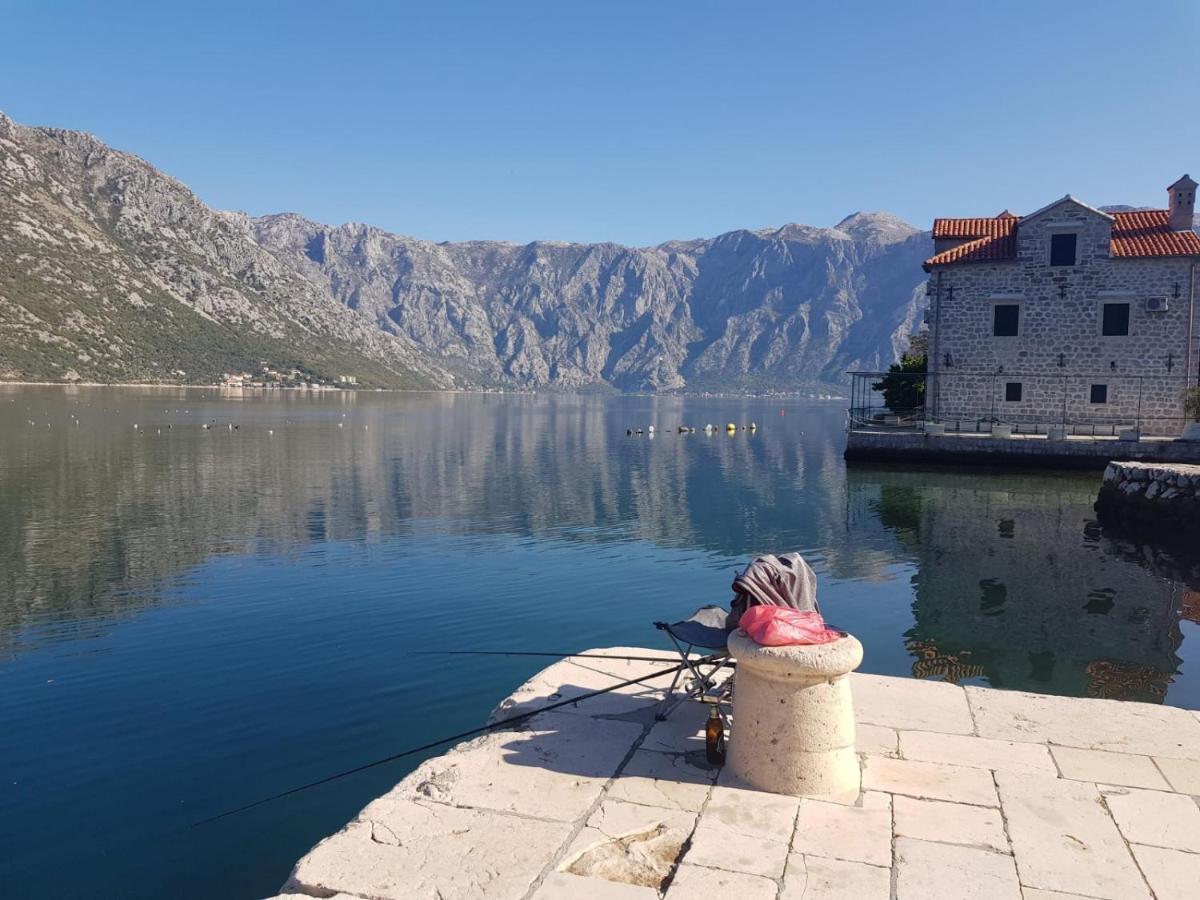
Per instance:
x=112, y=271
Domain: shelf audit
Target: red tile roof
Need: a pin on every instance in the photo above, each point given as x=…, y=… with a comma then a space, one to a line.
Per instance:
x=1134, y=234
x=973, y=228
x=978, y=250
x=988, y=239
x=1147, y=233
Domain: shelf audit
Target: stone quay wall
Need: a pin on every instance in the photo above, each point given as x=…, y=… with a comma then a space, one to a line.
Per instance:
x=1151, y=497
x=1059, y=352
x=909, y=447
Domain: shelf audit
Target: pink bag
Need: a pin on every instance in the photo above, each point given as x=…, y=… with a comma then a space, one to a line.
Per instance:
x=778, y=626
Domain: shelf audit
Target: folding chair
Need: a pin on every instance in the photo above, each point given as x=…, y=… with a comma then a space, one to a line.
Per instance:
x=705, y=628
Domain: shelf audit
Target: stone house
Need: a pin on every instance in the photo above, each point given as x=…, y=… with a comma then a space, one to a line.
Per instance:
x=1067, y=315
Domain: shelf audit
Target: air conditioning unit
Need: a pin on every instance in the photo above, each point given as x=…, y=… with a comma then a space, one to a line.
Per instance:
x=1156, y=304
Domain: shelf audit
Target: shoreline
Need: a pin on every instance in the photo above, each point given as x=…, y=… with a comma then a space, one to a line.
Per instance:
x=704, y=395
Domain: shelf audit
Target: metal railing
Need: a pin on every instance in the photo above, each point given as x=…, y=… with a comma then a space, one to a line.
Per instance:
x=1099, y=404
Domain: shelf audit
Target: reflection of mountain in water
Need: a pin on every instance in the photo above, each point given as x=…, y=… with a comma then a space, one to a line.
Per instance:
x=1017, y=585
x=1012, y=581
x=92, y=515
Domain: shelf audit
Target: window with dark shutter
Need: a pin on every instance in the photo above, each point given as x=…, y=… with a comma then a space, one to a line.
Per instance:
x=1099, y=393
x=1006, y=319
x=1012, y=391
x=1115, y=320
x=1062, y=249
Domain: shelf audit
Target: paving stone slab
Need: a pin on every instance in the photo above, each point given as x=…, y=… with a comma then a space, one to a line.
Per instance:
x=850, y=797
x=682, y=732
x=876, y=739
x=718, y=847
x=928, y=871
x=869, y=800
x=815, y=878
x=1117, y=725
x=1035, y=894
x=698, y=882
x=562, y=885
x=1183, y=774
x=1172, y=875
x=571, y=677
x=950, y=823
x=629, y=843
x=1155, y=818
x=1064, y=840
x=672, y=780
x=404, y=850
x=1111, y=768
x=751, y=812
x=554, y=769
x=981, y=753
x=934, y=781
x=909, y=704
x=844, y=832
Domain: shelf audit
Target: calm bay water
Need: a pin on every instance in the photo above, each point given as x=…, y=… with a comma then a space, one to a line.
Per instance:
x=194, y=618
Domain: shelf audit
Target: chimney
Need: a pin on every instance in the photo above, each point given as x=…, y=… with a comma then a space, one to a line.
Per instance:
x=1181, y=204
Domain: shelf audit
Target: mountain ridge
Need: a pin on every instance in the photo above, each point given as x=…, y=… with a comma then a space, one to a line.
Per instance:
x=111, y=270
x=684, y=327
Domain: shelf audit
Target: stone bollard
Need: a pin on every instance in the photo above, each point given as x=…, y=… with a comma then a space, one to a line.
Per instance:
x=793, y=717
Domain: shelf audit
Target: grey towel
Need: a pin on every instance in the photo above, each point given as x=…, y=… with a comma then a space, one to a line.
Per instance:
x=772, y=580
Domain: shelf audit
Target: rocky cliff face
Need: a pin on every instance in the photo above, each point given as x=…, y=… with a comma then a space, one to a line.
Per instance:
x=112, y=271
x=787, y=307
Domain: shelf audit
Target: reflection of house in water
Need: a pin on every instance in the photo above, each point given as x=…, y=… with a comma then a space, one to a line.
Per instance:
x=931, y=662
x=1016, y=584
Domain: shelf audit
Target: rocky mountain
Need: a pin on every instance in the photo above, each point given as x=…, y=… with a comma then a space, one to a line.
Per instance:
x=112, y=271
x=783, y=307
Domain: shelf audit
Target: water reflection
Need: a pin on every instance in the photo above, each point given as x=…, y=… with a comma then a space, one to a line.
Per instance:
x=1018, y=587
x=90, y=512
x=106, y=494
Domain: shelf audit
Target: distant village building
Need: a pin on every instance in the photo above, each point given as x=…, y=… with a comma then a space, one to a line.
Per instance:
x=1067, y=315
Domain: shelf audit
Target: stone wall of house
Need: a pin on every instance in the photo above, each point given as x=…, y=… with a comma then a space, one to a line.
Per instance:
x=1145, y=372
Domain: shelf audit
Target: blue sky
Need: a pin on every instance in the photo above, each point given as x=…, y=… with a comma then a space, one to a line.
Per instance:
x=632, y=122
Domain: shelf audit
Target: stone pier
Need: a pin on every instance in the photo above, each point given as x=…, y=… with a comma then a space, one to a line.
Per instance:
x=1152, y=498
x=1019, y=450
x=965, y=792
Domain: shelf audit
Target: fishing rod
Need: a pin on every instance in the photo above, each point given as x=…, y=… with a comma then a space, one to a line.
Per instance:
x=511, y=720
x=658, y=659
